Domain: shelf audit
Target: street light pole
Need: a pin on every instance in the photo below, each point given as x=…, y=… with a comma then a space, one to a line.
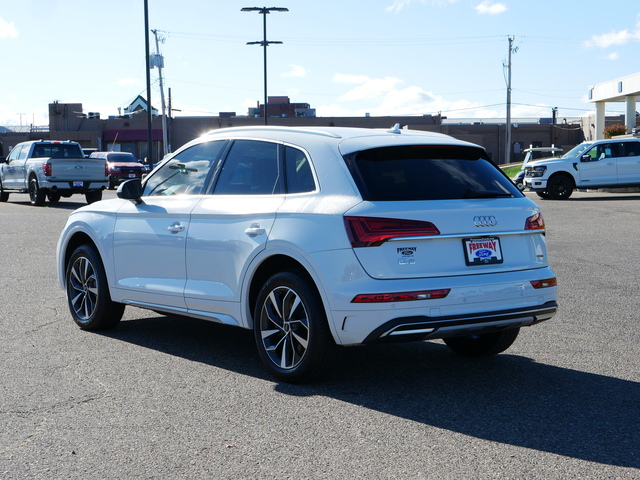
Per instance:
x=264, y=11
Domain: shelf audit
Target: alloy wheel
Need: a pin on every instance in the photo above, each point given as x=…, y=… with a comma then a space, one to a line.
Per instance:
x=284, y=327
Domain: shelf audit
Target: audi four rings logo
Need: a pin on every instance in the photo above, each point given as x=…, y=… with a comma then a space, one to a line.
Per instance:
x=485, y=221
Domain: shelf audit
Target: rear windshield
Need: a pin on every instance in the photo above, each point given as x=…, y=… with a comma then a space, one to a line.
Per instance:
x=427, y=172
x=57, y=150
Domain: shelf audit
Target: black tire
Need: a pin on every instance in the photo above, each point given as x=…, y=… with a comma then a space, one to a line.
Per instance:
x=560, y=187
x=93, y=196
x=4, y=196
x=36, y=194
x=484, y=344
x=544, y=195
x=291, y=329
x=112, y=184
x=88, y=295
x=53, y=197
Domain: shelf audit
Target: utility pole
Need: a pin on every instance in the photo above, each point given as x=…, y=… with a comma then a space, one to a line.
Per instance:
x=149, y=108
x=159, y=62
x=507, y=150
x=264, y=11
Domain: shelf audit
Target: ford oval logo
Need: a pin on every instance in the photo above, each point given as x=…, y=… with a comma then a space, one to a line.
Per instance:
x=485, y=221
x=484, y=253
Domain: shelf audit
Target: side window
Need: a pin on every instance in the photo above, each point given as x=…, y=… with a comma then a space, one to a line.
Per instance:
x=630, y=149
x=298, y=171
x=251, y=168
x=25, y=152
x=187, y=172
x=13, y=155
x=601, y=151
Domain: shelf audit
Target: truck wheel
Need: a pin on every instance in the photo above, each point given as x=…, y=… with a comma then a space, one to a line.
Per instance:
x=483, y=344
x=560, y=187
x=291, y=329
x=4, y=196
x=53, y=197
x=543, y=194
x=88, y=291
x=93, y=196
x=36, y=194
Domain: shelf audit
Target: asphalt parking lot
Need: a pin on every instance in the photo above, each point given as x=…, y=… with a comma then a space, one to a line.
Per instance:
x=164, y=398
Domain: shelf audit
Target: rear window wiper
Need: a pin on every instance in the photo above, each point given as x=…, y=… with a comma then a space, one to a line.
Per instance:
x=485, y=194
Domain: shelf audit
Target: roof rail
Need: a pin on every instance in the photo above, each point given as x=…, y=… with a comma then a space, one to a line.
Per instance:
x=309, y=131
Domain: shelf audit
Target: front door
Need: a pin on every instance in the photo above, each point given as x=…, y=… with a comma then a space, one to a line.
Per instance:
x=601, y=169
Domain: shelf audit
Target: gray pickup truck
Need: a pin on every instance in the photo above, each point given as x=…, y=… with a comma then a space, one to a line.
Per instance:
x=48, y=169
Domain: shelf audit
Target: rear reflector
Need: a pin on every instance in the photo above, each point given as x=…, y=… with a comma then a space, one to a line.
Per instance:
x=534, y=222
x=549, y=282
x=373, y=231
x=401, y=297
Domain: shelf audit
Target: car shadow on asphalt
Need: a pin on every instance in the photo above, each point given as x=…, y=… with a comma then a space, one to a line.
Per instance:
x=508, y=399
x=60, y=205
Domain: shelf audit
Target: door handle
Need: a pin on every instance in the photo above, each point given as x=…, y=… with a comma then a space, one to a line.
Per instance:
x=254, y=230
x=176, y=228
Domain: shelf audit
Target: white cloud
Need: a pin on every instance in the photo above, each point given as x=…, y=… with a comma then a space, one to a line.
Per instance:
x=490, y=8
x=620, y=37
x=7, y=30
x=296, y=71
x=613, y=56
x=400, y=4
x=387, y=96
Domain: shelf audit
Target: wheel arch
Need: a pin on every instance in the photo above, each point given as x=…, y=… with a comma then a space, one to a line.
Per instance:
x=563, y=173
x=270, y=266
x=77, y=239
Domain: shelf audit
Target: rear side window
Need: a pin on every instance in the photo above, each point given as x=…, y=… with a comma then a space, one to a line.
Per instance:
x=427, y=172
x=298, y=171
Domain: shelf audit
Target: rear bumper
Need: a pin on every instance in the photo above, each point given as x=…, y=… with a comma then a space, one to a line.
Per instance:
x=74, y=187
x=424, y=327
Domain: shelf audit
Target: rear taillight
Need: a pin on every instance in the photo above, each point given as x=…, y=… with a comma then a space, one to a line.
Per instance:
x=401, y=297
x=546, y=283
x=106, y=169
x=46, y=168
x=373, y=231
x=534, y=222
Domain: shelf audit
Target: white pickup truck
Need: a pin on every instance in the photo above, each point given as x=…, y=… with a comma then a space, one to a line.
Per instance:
x=610, y=163
x=48, y=169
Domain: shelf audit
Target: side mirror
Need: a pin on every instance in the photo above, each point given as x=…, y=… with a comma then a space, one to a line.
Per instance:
x=131, y=190
x=585, y=158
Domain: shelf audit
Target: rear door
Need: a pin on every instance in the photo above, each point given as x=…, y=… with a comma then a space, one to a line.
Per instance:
x=231, y=226
x=629, y=163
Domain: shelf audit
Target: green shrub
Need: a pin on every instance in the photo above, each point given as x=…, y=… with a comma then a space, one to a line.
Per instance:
x=614, y=130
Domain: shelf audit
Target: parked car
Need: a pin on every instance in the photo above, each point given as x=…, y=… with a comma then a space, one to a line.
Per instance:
x=50, y=170
x=534, y=153
x=612, y=163
x=317, y=238
x=121, y=166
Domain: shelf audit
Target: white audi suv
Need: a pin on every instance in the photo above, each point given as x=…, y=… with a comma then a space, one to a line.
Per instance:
x=317, y=238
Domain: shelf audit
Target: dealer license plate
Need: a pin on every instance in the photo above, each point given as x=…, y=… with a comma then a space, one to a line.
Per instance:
x=132, y=175
x=78, y=184
x=482, y=251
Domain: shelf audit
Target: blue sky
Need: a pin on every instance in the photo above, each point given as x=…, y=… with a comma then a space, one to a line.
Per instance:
x=382, y=57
